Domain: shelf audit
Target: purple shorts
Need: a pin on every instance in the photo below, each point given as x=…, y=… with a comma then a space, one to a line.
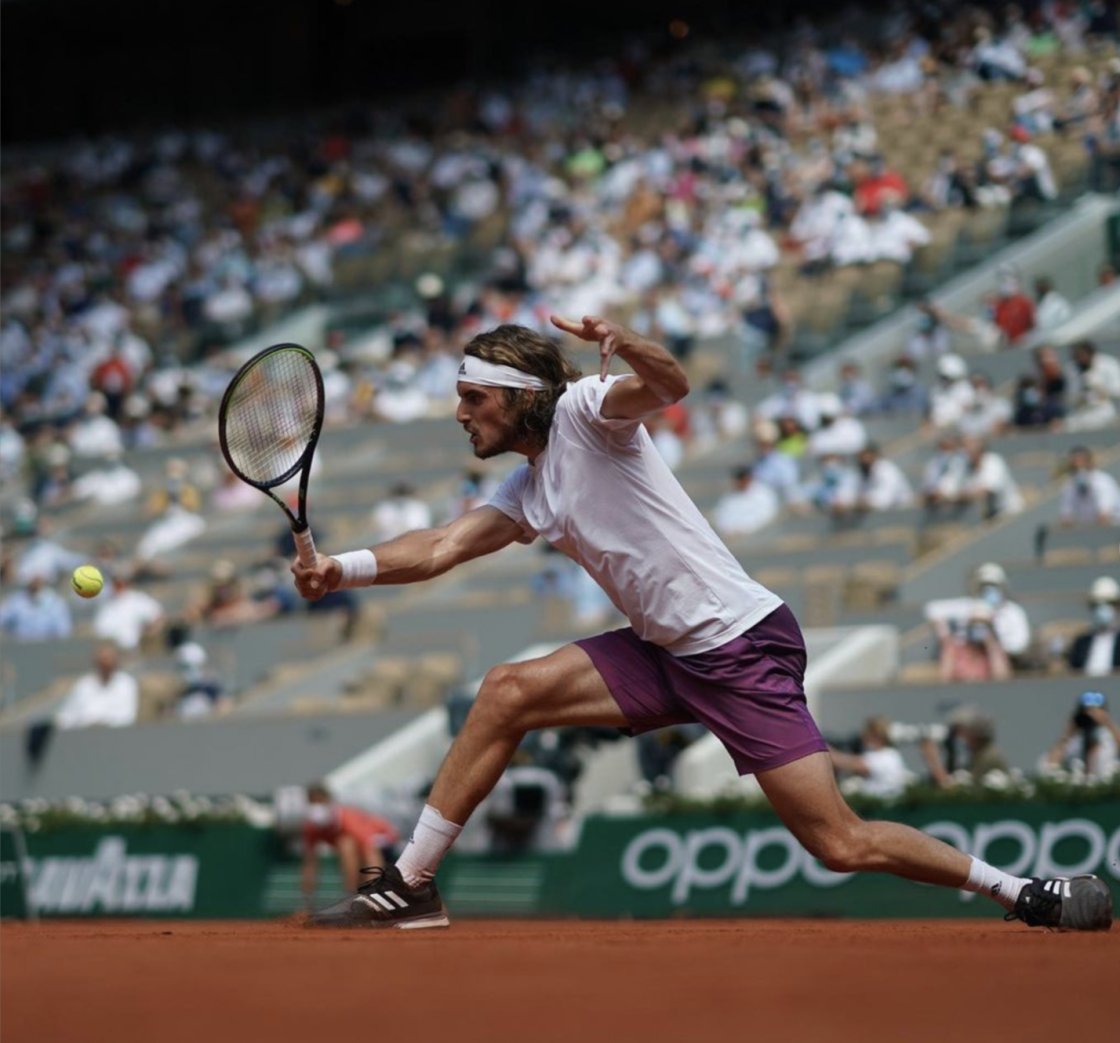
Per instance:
x=749, y=692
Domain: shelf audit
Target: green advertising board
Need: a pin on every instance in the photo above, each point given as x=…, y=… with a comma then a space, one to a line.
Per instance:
x=209, y=871
x=742, y=863
x=748, y=864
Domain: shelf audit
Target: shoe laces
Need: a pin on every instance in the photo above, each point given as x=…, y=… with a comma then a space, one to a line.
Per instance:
x=377, y=879
x=1034, y=905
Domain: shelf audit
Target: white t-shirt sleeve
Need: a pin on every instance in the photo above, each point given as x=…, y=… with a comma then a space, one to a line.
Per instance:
x=508, y=498
x=579, y=414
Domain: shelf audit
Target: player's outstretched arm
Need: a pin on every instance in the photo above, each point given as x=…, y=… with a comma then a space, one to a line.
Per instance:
x=661, y=380
x=419, y=555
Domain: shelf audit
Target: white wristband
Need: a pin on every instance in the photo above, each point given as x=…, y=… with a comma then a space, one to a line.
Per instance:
x=359, y=568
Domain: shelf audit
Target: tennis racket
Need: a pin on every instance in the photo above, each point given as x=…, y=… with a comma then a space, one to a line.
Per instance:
x=268, y=426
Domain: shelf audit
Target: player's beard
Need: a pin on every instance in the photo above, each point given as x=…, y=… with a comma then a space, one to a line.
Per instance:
x=512, y=437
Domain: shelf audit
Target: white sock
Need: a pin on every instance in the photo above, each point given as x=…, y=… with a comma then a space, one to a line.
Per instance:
x=430, y=841
x=995, y=883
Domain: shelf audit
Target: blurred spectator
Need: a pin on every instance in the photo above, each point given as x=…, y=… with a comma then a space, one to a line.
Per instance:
x=773, y=467
x=35, y=613
x=1008, y=618
x=932, y=337
x=202, y=694
x=115, y=483
x=658, y=752
x=718, y=416
x=750, y=506
x=904, y=392
x=984, y=478
x=880, y=484
x=1040, y=397
x=879, y=186
x=1090, y=740
x=476, y=489
x=361, y=840
x=1089, y=495
x=1013, y=310
x=953, y=395
x=838, y=433
x=792, y=400
x=177, y=520
x=234, y=495
x=856, y=393
x=970, y=749
x=1096, y=652
x=403, y=511
x=96, y=434
x=124, y=615
x=972, y=653
x=226, y=602
x=1033, y=178
x=941, y=474
x=1052, y=308
x=836, y=487
x=988, y=414
x=106, y=696
x=879, y=766
x=793, y=439
x=44, y=557
x=1094, y=388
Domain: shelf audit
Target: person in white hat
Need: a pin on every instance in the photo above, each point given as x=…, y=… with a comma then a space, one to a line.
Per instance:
x=1009, y=619
x=953, y=395
x=1096, y=652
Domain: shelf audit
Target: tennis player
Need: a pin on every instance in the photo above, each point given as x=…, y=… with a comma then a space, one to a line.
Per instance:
x=705, y=643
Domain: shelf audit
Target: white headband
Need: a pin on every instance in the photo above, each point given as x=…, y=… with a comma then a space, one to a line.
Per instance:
x=478, y=371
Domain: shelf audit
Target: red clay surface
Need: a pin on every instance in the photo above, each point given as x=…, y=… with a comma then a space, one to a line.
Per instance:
x=153, y=982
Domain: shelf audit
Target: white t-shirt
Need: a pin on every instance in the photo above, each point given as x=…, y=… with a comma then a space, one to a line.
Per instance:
x=124, y=616
x=886, y=772
x=90, y=702
x=629, y=523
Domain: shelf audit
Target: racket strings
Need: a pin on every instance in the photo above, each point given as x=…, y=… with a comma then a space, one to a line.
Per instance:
x=272, y=416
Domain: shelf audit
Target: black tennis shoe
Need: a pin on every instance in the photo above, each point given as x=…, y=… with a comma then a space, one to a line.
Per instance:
x=385, y=900
x=1079, y=903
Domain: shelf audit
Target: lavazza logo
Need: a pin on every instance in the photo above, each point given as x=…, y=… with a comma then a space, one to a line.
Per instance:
x=707, y=859
x=112, y=881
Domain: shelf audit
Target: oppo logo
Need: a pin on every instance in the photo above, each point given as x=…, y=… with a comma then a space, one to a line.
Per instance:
x=766, y=859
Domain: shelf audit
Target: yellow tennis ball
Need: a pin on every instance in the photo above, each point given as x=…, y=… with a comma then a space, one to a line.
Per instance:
x=87, y=581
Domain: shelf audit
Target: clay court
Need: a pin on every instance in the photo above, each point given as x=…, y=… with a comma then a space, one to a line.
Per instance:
x=696, y=980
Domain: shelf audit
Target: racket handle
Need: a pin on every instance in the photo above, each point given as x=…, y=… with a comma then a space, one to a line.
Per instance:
x=305, y=548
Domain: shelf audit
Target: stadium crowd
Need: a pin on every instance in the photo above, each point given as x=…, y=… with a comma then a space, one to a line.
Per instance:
x=130, y=265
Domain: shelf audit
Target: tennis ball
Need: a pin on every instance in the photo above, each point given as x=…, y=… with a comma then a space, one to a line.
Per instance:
x=87, y=581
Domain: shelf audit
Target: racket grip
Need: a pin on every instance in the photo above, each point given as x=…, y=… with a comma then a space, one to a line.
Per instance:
x=305, y=548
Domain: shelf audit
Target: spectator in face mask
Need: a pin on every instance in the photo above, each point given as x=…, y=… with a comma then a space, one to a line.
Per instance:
x=1090, y=739
x=1089, y=496
x=1008, y=618
x=986, y=479
x=972, y=653
x=1094, y=388
x=988, y=414
x=1014, y=310
x=904, y=392
x=953, y=395
x=359, y=838
x=931, y=338
x=1096, y=652
x=1030, y=407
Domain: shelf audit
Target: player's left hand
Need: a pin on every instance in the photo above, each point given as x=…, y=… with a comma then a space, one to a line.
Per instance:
x=594, y=328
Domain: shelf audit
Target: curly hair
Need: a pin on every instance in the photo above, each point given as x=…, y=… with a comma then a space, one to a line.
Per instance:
x=530, y=352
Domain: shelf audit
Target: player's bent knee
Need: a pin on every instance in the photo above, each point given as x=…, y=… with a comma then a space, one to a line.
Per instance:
x=845, y=849
x=503, y=697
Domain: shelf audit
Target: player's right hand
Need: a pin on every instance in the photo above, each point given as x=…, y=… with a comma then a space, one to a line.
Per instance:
x=314, y=583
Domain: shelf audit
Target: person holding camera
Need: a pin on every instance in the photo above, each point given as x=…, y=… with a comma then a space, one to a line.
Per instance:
x=1091, y=738
x=973, y=652
x=970, y=747
x=878, y=765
